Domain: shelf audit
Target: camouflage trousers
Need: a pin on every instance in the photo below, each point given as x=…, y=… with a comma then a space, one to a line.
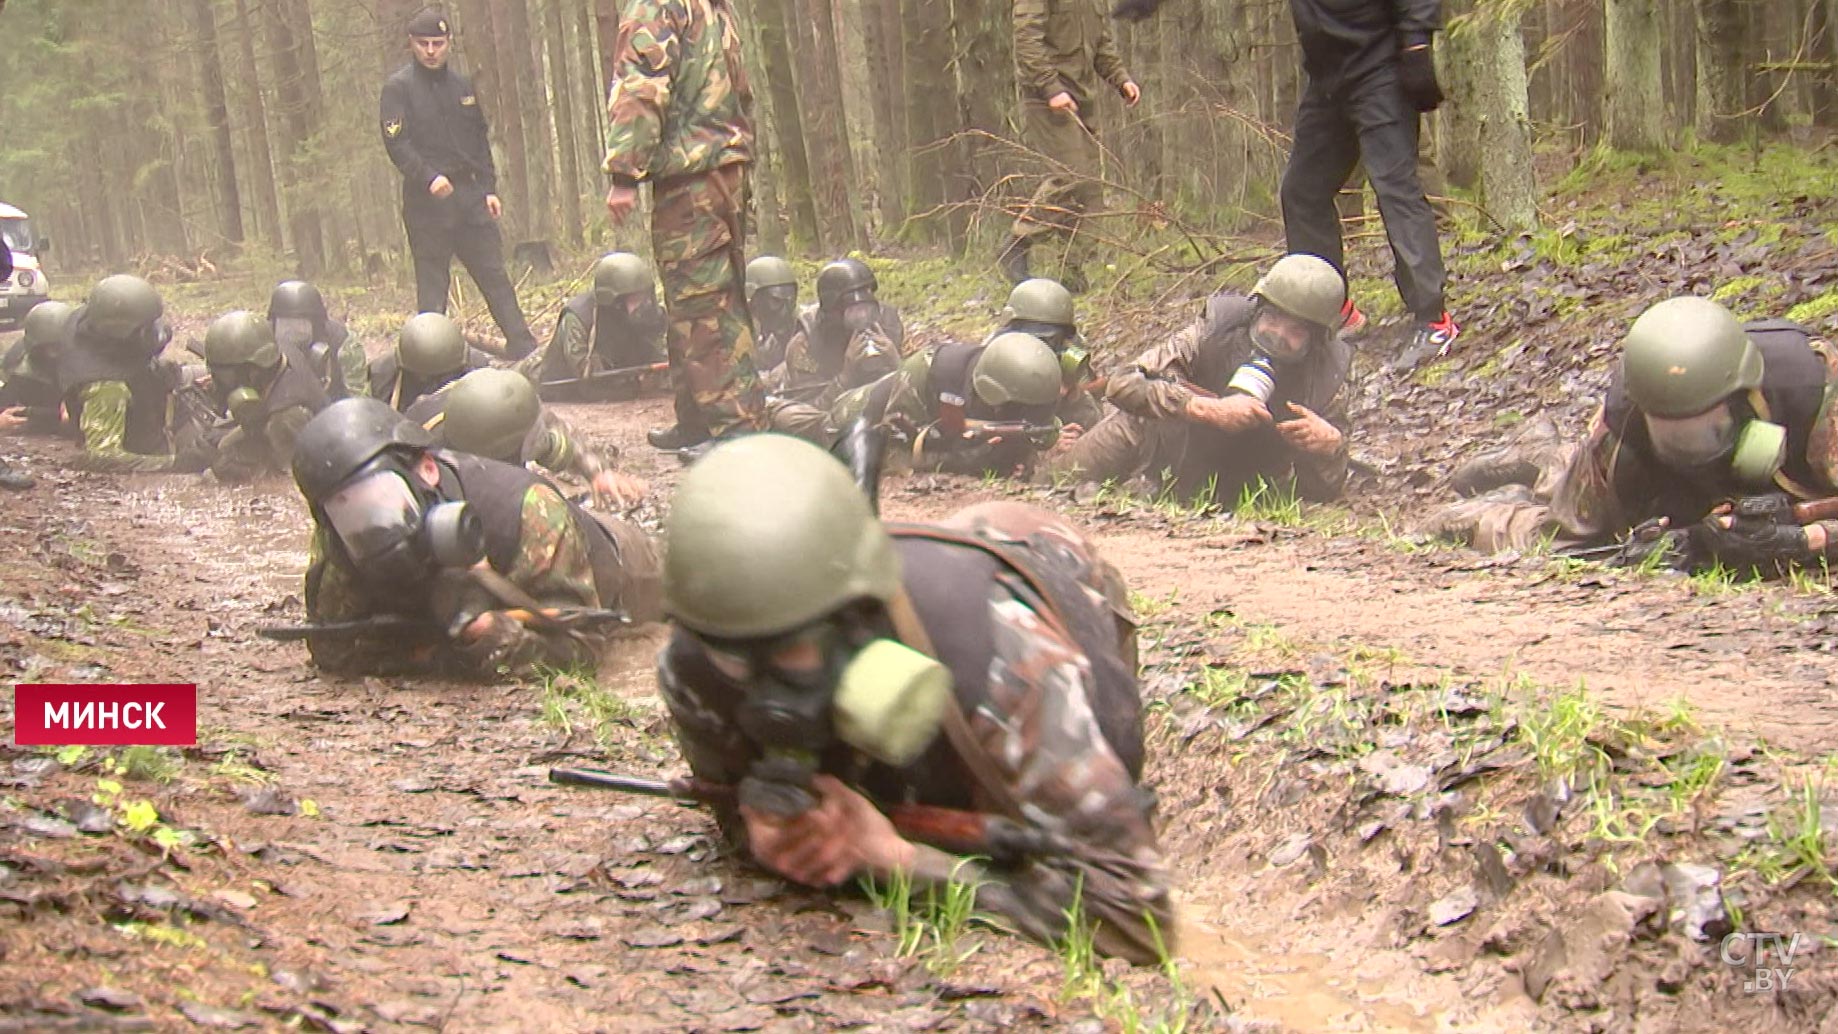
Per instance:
x=1070, y=189
x=696, y=237
x=1116, y=448
x=1508, y=492
x=800, y=420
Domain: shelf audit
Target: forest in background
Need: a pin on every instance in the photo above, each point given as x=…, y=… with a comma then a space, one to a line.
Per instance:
x=179, y=134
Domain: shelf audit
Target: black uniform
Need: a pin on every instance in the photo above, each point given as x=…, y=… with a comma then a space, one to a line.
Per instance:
x=1354, y=107
x=433, y=126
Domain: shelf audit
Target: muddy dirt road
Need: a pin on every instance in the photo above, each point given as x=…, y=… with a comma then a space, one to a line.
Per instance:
x=375, y=854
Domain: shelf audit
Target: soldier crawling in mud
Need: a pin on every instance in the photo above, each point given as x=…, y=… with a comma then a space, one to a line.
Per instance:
x=959, y=409
x=848, y=339
x=827, y=665
x=268, y=391
x=29, y=396
x=497, y=414
x=1250, y=391
x=450, y=563
x=117, y=391
x=617, y=324
x=298, y=316
x=1709, y=434
x=430, y=354
x=1043, y=308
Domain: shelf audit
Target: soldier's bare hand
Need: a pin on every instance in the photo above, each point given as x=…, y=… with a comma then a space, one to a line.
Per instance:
x=620, y=200
x=1131, y=92
x=13, y=419
x=1068, y=435
x=441, y=186
x=618, y=490
x=1309, y=432
x=1231, y=414
x=493, y=206
x=1063, y=102
x=841, y=836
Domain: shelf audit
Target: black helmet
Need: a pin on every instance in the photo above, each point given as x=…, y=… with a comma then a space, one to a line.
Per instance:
x=346, y=435
x=297, y=299
x=844, y=281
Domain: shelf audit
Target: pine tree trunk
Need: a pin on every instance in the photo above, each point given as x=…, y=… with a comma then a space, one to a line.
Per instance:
x=561, y=79
x=1825, y=51
x=888, y=152
x=768, y=171
x=1719, y=79
x=927, y=38
x=593, y=62
x=1508, y=186
x=498, y=47
x=1463, y=66
x=538, y=133
x=217, y=119
x=1633, y=95
x=826, y=124
x=289, y=30
x=255, y=123
x=788, y=120
x=980, y=36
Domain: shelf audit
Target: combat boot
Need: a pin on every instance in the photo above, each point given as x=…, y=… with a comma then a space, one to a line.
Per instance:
x=1523, y=461
x=674, y=437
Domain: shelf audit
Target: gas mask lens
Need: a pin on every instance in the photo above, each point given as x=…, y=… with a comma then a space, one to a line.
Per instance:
x=859, y=315
x=373, y=514
x=295, y=331
x=1693, y=441
x=1281, y=336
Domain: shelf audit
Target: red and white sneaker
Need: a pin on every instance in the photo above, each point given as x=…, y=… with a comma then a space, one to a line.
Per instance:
x=1435, y=338
x=1352, y=321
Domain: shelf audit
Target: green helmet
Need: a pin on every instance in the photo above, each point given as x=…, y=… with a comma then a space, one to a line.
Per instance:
x=44, y=324
x=343, y=437
x=768, y=533
x=844, y=281
x=490, y=412
x=1040, y=301
x=430, y=345
x=121, y=304
x=769, y=271
x=1017, y=368
x=619, y=274
x=1306, y=287
x=1685, y=355
x=297, y=299
x=240, y=338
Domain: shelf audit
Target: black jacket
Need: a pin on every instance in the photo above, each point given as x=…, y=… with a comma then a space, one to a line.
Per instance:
x=1345, y=41
x=433, y=126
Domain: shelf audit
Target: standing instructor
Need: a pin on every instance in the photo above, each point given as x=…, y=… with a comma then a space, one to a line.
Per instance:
x=677, y=118
x=435, y=132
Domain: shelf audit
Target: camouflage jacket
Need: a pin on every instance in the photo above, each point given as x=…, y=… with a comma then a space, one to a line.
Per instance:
x=1205, y=354
x=817, y=368
x=551, y=443
x=1057, y=41
x=102, y=429
x=552, y=564
x=907, y=398
x=1038, y=724
x=680, y=99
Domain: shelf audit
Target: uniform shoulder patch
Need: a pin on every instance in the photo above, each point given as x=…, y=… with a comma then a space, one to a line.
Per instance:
x=469, y=100
x=392, y=128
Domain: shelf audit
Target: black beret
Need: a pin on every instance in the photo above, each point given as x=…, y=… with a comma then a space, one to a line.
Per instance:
x=431, y=21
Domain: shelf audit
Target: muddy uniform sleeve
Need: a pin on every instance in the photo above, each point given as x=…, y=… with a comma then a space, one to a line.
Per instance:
x=1033, y=64
x=555, y=447
x=554, y=567
x=333, y=594
x=104, y=427
x=1583, y=503
x=354, y=367
x=1039, y=729
x=1152, y=385
x=281, y=431
x=644, y=63
x=1079, y=407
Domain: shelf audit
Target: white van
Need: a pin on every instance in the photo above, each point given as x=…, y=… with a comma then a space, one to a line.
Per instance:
x=27, y=286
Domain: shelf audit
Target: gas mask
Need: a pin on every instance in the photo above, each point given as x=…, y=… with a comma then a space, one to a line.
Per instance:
x=1280, y=337
x=856, y=311
x=1753, y=450
x=645, y=319
x=774, y=306
x=295, y=331
x=1256, y=378
x=393, y=536
x=884, y=699
x=245, y=406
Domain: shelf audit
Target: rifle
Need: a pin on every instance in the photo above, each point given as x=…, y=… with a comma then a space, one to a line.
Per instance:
x=959, y=832
x=1674, y=546
x=604, y=386
x=550, y=619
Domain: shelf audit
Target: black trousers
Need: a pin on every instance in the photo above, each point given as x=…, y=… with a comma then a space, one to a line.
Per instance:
x=457, y=226
x=1335, y=129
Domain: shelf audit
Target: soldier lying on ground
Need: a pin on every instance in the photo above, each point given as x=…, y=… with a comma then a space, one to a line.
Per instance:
x=1702, y=411
x=29, y=397
x=1043, y=308
x=115, y=387
x=497, y=414
x=1251, y=391
x=268, y=390
x=822, y=662
x=297, y=312
x=486, y=560
x=430, y=354
x=615, y=325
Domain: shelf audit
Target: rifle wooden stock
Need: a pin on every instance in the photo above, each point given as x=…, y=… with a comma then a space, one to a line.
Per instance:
x=948, y=829
x=1813, y=511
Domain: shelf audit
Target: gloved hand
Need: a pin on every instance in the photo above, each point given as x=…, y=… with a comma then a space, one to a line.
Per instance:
x=1745, y=545
x=1769, y=506
x=1417, y=74
x=1134, y=10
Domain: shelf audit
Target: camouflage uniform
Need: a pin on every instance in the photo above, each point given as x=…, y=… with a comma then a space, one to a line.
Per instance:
x=1148, y=431
x=678, y=119
x=264, y=442
x=821, y=362
x=1050, y=697
x=1077, y=406
x=402, y=388
x=552, y=561
x=1594, y=492
x=1057, y=44
x=575, y=349
x=119, y=400
x=551, y=443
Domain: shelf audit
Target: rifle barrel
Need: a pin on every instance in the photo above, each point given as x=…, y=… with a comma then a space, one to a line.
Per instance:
x=623, y=784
